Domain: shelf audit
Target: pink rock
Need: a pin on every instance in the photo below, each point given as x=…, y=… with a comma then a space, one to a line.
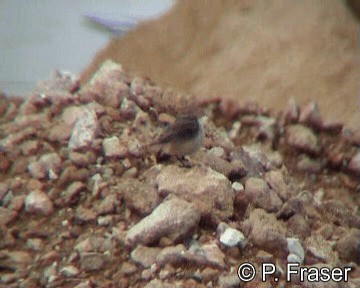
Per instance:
x=291, y=112
x=261, y=195
x=302, y=138
x=310, y=116
x=267, y=232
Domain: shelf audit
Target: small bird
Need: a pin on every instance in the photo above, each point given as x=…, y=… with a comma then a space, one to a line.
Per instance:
x=184, y=137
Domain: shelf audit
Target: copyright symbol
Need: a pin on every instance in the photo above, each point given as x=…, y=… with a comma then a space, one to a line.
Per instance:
x=246, y=272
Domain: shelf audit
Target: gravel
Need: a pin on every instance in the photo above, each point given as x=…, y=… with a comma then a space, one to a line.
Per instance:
x=83, y=203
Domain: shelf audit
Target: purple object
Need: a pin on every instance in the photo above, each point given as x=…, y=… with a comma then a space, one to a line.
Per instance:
x=117, y=27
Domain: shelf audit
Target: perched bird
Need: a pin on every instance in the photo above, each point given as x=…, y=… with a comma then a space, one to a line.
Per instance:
x=184, y=137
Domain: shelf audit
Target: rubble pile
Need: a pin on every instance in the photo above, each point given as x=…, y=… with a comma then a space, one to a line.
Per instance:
x=84, y=203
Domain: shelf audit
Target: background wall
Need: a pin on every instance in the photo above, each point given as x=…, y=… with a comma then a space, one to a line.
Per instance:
x=39, y=36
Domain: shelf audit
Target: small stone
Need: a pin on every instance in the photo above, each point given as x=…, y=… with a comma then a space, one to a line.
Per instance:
x=354, y=164
x=7, y=278
x=302, y=138
x=228, y=281
x=295, y=247
x=7, y=216
x=232, y=237
x=299, y=226
x=349, y=246
x=174, y=218
x=310, y=116
x=17, y=203
x=217, y=151
x=108, y=205
x=73, y=191
x=309, y=165
x=38, y=202
x=294, y=258
x=113, y=148
x=128, y=268
x=267, y=232
x=35, y=244
x=85, y=215
x=140, y=196
x=214, y=256
x=52, y=164
x=263, y=256
x=261, y=195
x=105, y=220
x=171, y=255
x=36, y=170
x=70, y=271
x=292, y=111
x=92, y=261
x=276, y=181
x=15, y=260
x=84, y=130
x=94, y=243
x=145, y=256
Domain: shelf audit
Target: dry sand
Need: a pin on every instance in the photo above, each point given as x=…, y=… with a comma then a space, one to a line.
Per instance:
x=263, y=51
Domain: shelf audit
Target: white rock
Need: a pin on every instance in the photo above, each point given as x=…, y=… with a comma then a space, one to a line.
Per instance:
x=85, y=129
x=293, y=258
x=70, y=271
x=237, y=186
x=38, y=202
x=113, y=148
x=295, y=247
x=232, y=237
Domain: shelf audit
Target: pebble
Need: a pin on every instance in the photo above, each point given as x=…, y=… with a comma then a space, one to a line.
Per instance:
x=261, y=195
x=174, y=218
x=213, y=255
x=295, y=248
x=229, y=281
x=108, y=205
x=232, y=237
x=85, y=215
x=145, y=256
x=39, y=203
x=15, y=260
x=140, y=196
x=292, y=111
x=35, y=244
x=70, y=271
x=72, y=191
x=237, y=186
x=349, y=246
x=308, y=164
x=84, y=130
x=7, y=215
x=267, y=232
x=310, y=115
x=217, y=151
x=92, y=261
x=302, y=138
x=171, y=255
x=354, y=164
x=113, y=148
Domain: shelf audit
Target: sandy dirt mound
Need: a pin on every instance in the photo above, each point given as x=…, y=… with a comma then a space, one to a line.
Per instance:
x=263, y=51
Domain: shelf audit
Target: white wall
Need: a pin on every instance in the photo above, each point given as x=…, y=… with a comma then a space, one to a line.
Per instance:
x=39, y=36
